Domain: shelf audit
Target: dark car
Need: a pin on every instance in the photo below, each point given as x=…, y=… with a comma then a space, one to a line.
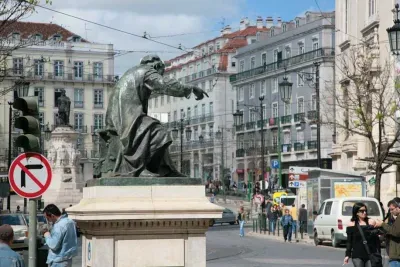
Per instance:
x=228, y=216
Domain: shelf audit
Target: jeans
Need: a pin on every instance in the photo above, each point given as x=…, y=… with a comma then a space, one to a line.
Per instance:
x=394, y=263
x=67, y=263
x=294, y=226
x=361, y=263
x=241, y=229
x=303, y=227
x=272, y=226
x=287, y=232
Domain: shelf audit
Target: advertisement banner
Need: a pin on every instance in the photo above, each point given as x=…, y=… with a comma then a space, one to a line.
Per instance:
x=345, y=189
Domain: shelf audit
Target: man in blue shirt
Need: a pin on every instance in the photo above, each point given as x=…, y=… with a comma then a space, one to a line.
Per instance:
x=8, y=257
x=61, y=239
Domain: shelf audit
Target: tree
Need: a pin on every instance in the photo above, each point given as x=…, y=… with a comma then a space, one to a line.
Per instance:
x=12, y=11
x=365, y=104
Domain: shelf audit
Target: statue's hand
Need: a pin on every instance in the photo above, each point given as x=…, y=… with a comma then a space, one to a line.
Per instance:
x=199, y=93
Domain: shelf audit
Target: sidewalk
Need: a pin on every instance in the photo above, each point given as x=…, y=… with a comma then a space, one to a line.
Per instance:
x=305, y=240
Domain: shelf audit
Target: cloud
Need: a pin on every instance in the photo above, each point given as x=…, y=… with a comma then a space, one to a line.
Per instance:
x=154, y=17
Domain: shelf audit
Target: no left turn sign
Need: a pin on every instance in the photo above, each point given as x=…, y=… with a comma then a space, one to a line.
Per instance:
x=30, y=175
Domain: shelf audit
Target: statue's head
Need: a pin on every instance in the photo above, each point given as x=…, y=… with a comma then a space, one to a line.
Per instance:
x=154, y=61
x=62, y=91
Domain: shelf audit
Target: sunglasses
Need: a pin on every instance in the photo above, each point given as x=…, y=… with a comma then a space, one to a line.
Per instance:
x=362, y=211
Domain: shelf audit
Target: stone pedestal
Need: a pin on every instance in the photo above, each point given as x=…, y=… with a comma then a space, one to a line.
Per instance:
x=144, y=222
x=66, y=186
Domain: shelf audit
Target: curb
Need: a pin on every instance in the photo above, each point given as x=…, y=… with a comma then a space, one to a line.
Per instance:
x=306, y=239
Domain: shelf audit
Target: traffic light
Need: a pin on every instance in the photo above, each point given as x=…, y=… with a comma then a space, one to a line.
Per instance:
x=29, y=123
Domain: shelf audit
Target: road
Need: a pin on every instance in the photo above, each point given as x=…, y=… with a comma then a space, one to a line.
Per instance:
x=226, y=249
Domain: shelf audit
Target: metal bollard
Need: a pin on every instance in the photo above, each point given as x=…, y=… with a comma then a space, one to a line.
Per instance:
x=253, y=226
x=269, y=227
x=256, y=226
x=278, y=226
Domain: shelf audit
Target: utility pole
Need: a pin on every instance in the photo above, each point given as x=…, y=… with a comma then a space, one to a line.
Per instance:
x=9, y=149
x=181, y=156
x=223, y=163
x=317, y=96
x=261, y=98
x=279, y=149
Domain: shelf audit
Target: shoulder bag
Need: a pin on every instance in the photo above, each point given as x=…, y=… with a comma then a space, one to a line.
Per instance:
x=375, y=257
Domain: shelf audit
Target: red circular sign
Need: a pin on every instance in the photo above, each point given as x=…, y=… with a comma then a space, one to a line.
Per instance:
x=30, y=175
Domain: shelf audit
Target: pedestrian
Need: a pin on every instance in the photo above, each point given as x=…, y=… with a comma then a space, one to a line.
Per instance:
x=303, y=219
x=393, y=232
x=62, y=239
x=8, y=257
x=242, y=221
x=272, y=218
x=286, y=222
x=212, y=198
x=294, y=214
x=389, y=219
x=362, y=239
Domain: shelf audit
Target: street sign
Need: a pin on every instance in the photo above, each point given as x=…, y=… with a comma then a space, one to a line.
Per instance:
x=275, y=164
x=30, y=175
x=297, y=184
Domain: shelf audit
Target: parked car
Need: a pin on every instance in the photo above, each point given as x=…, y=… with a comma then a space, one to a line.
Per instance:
x=334, y=215
x=228, y=216
x=20, y=227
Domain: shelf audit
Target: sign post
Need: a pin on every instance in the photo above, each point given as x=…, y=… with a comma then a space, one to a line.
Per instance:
x=30, y=176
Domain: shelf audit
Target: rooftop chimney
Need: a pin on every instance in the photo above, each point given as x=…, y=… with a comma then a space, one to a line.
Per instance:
x=270, y=22
x=260, y=22
x=244, y=23
x=279, y=22
x=226, y=30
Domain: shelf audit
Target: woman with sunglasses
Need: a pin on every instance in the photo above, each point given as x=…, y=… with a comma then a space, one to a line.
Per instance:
x=355, y=248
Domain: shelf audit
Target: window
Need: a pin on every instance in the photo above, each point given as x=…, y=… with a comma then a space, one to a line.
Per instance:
x=76, y=39
x=252, y=115
x=272, y=32
x=253, y=40
x=288, y=109
x=314, y=102
x=37, y=37
x=39, y=92
x=300, y=136
x=98, y=121
x=315, y=45
x=39, y=67
x=252, y=63
x=203, y=110
x=210, y=85
x=301, y=49
x=346, y=16
x=286, y=138
x=241, y=66
x=275, y=109
x=78, y=121
x=78, y=98
x=78, y=69
x=98, y=98
x=210, y=49
x=203, y=85
x=189, y=113
x=240, y=93
x=211, y=108
x=97, y=70
x=284, y=27
x=300, y=105
x=168, y=99
x=156, y=102
x=175, y=115
x=313, y=134
x=371, y=8
x=328, y=208
x=57, y=37
x=16, y=36
x=264, y=111
x=41, y=120
x=58, y=68
x=211, y=128
x=252, y=90
x=288, y=52
x=263, y=88
x=274, y=85
x=57, y=94
x=182, y=113
x=276, y=55
x=18, y=66
x=300, y=81
x=297, y=23
x=218, y=46
x=274, y=138
x=264, y=59
x=162, y=101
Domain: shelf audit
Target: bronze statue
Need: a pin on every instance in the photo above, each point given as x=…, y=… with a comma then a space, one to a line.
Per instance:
x=64, y=107
x=138, y=144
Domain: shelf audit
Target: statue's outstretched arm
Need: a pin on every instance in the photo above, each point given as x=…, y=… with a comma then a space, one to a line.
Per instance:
x=167, y=86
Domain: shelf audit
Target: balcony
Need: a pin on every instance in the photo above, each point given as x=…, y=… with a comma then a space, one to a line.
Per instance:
x=272, y=149
x=312, y=115
x=98, y=104
x=94, y=154
x=80, y=128
x=286, y=148
x=194, y=76
x=299, y=117
x=93, y=129
x=199, y=75
x=61, y=76
x=240, y=153
x=250, y=125
x=240, y=128
x=78, y=104
x=286, y=119
x=260, y=122
x=312, y=145
x=273, y=121
x=299, y=146
x=292, y=61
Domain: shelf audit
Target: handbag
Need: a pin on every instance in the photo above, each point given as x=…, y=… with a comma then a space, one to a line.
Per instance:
x=375, y=257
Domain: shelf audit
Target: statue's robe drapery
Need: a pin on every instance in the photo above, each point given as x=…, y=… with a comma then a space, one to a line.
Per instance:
x=143, y=140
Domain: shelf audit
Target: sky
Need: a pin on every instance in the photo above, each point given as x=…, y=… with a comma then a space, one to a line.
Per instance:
x=185, y=23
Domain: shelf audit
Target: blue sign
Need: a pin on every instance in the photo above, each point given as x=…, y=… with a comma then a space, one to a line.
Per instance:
x=275, y=164
x=296, y=184
x=89, y=253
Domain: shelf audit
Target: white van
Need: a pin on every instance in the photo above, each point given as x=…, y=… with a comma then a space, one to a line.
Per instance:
x=334, y=215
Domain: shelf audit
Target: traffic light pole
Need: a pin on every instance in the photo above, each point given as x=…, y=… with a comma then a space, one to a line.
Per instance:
x=9, y=150
x=32, y=232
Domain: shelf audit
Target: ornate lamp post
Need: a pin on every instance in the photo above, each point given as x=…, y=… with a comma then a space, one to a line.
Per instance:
x=285, y=91
x=394, y=33
x=47, y=132
x=188, y=133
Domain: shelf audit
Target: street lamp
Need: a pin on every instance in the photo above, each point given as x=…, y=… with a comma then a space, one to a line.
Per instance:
x=47, y=132
x=238, y=116
x=220, y=136
x=285, y=89
x=394, y=33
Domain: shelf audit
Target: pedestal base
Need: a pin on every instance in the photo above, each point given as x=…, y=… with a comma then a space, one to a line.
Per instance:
x=162, y=223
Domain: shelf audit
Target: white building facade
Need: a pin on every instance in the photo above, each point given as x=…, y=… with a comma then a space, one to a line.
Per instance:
x=362, y=21
x=208, y=67
x=54, y=59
